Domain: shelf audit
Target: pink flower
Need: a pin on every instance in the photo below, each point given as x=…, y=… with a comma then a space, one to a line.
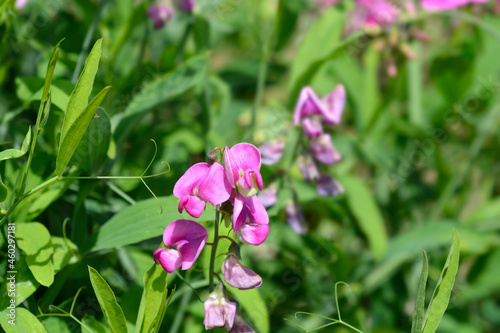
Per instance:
x=185, y=5
x=201, y=183
x=268, y=196
x=238, y=276
x=250, y=220
x=21, y=3
x=160, y=14
x=328, y=186
x=271, y=152
x=373, y=13
x=323, y=150
x=219, y=311
x=329, y=108
x=242, y=165
x=312, y=127
x=187, y=238
x=307, y=168
x=240, y=326
x=436, y=5
x=295, y=218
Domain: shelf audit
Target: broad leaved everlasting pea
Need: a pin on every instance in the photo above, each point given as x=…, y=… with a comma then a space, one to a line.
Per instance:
x=238, y=276
x=250, y=220
x=160, y=14
x=219, y=311
x=242, y=165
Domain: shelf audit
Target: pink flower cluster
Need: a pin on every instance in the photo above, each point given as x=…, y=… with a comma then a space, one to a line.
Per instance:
x=234, y=184
x=435, y=5
x=161, y=13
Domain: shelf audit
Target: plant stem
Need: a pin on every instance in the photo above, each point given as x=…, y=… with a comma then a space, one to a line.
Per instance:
x=185, y=35
x=214, y=249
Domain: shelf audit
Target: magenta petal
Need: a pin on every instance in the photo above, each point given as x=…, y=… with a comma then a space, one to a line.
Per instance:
x=160, y=14
x=247, y=155
x=191, y=179
x=307, y=104
x=231, y=167
x=169, y=259
x=312, y=127
x=193, y=205
x=248, y=211
x=188, y=237
x=239, y=276
x=335, y=103
x=215, y=188
x=254, y=234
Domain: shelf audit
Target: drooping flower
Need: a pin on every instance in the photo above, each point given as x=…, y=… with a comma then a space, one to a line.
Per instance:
x=238, y=276
x=185, y=5
x=186, y=239
x=436, y=5
x=160, y=14
x=250, y=220
x=322, y=149
x=329, y=109
x=307, y=168
x=219, y=311
x=240, y=326
x=328, y=186
x=295, y=218
x=335, y=103
x=242, y=166
x=269, y=195
x=201, y=183
x=271, y=152
x=312, y=127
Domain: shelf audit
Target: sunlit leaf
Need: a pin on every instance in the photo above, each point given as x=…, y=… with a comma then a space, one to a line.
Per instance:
x=24, y=322
x=418, y=312
x=16, y=153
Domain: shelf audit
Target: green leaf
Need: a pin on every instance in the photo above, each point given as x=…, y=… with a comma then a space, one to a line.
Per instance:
x=162, y=89
x=418, y=312
x=3, y=191
x=26, y=284
x=24, y=322
x=139, y=222
x=153, y=296
x=16, y=153
x=95, y=325
x=112, y=311
x=371, y=97
x=64, y=251
x=79, y=112
x=51, y=66
x=34, y=239
x=77, y=130
x=90, y=154
x=55, y=324
x=253, y=304
x=442, y=293
x=367, y=213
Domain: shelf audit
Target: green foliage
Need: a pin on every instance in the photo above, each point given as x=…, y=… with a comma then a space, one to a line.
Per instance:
x=16, y=153
x=112, y=311
x=24, y=321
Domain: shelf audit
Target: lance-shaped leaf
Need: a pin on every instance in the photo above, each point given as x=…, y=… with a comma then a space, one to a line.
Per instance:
x=16, y=153
x=418, y=313
x=79, y=112
x=24, y=321
x=442, y=293
x=112, y=311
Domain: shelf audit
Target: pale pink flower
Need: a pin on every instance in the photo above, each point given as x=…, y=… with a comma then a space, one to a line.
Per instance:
x=20, y=4
x=329, y=108
x=307, y=168
x=186, y=239
x=268, y=196
x=160, y=14
x=295, y=218
x=242, y=166
x=238, y=276
x=219, y=311
x=271, y=152
x=200, y=184
x=322, y=149
x=240, y=326
x=372, y=14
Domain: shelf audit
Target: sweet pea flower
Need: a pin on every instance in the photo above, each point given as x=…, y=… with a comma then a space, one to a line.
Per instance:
x=219, y=311
x=307, y=168
x=160, y=14
x=268, y=196
x=201, y=183
x=242, y=166
x=372, y=14
x=238, y=276
x=250, y=220
x=312, y=127
x=329, y=108
x=322, y=149
x=187, y=238
x=295, y=218
x=185, y=5
x=20, y=4
x=271, y=152
x=436, y=5
x=240, y=326
x=328, y=186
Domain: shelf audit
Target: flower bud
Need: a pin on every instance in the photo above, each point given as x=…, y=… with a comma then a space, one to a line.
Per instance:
x=160, y=14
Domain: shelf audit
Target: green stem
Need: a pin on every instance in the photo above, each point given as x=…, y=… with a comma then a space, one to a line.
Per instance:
x=182, y=44
x=214, y=249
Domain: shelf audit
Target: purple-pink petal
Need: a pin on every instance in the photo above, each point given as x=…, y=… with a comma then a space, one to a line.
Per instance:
x=160, y=14
x=295, y=218
x=268, y=196
x=215, y=188
x=328, y=186
x=335, y=102
x=307, y=104
x=271, y=152
x=189, y=237
x=307, y=168
x=436, y=5
x=312, y=127
x=238, y=276
x=193, y=205
x=169, y=259
x=254, y=234
x=248, y=211
x=323, y=150
x=191, y=180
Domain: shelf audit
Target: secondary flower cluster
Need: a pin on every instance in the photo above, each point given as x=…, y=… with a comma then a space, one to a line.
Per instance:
x=314, y=115
x=161, y=13
x=233, y=186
